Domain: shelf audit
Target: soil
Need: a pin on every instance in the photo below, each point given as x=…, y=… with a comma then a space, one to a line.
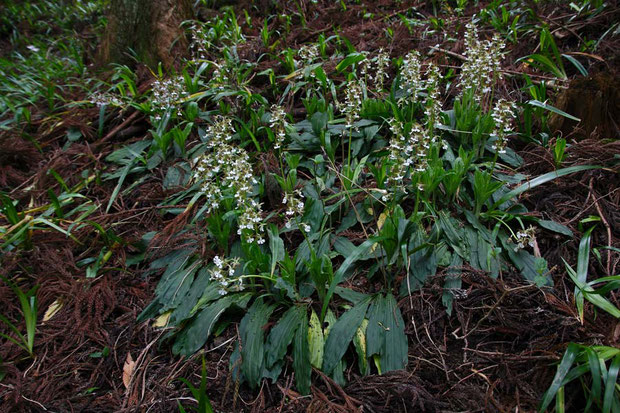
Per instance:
x=496, y=351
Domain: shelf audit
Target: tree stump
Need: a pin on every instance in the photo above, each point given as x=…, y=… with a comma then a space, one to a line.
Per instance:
x=150, y=30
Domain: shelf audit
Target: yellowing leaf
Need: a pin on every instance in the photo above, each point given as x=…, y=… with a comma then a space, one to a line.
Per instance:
x=359, y=341
x=162, y=320
x=315, y=341
x=380, y=223
x=381, y=220
x=128, y=370
x=52, y=309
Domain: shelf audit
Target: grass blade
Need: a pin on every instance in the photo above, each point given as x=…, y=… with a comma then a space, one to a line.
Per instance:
x=563, y=369
x=610, y=385
x=542, y=179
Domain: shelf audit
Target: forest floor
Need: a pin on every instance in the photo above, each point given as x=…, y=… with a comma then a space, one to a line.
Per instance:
x=496, y=351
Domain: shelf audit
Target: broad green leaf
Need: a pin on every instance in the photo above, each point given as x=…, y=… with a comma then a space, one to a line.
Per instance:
x=301, y=356
x=359, y=253
x=196, y=333
x=555, y=227
x=341, y=334
x=282, y=334
x=191, y=298
x=251, y=330
x=350, y=60
x=386, y=333
x=350, y=295
x=276, y=245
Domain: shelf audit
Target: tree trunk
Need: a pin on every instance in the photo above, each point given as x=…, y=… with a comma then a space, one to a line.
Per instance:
x=149, y=28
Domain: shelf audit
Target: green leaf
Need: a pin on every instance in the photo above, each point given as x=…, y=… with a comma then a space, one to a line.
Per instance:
x=341, y=334
x=118, y=186
x=610, y=384
x=586, y=291
x=252, y=333
x=595, y=372
x=196, y=333
x=555, y=227
x=359, y=252
x=276, y=245
x=553, y=109
x=301, y=356
x=542, y=179
x=351, y=59
x=359, y=341
x=583, y=258
x=577, y=64
x=563, y=369
x=350, y=295
x=282, y=334
x=386, y=333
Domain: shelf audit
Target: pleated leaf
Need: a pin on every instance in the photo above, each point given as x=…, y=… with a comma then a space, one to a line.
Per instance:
x=301, y=356
x=253, y=341
x=386, y=333
x=196, y=333
x=341, y=334
x=282, y=334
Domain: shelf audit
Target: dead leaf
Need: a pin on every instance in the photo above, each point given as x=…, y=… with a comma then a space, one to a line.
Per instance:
x=52, y=309
x=128, y=370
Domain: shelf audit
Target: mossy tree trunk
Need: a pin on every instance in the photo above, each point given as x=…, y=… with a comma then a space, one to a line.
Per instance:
x=149, y=29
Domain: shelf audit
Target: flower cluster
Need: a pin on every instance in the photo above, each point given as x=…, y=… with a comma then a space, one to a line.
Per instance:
x=433, y=102
x=483, y=63
x=525, y=237
x=379, y=63
x=382, y=62
x=278, y=123
x=104, y=99
x=503, y=115
x=295, y=208
x=167, y=94
x=200, y=42
x=407, y=151
x=223, y=273
x=220, y=78
x=307, y=53
x=410, y=73
x=365, y=66
x=352, y=103
x=227, y=166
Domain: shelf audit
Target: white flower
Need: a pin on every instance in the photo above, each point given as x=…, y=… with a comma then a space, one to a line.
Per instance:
x=352, y=104
x=503, y=115
x=226, y=280
x=482, y=67
x=168, y=94
x=278, y=124
x=410, y=78
x=227, y=166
